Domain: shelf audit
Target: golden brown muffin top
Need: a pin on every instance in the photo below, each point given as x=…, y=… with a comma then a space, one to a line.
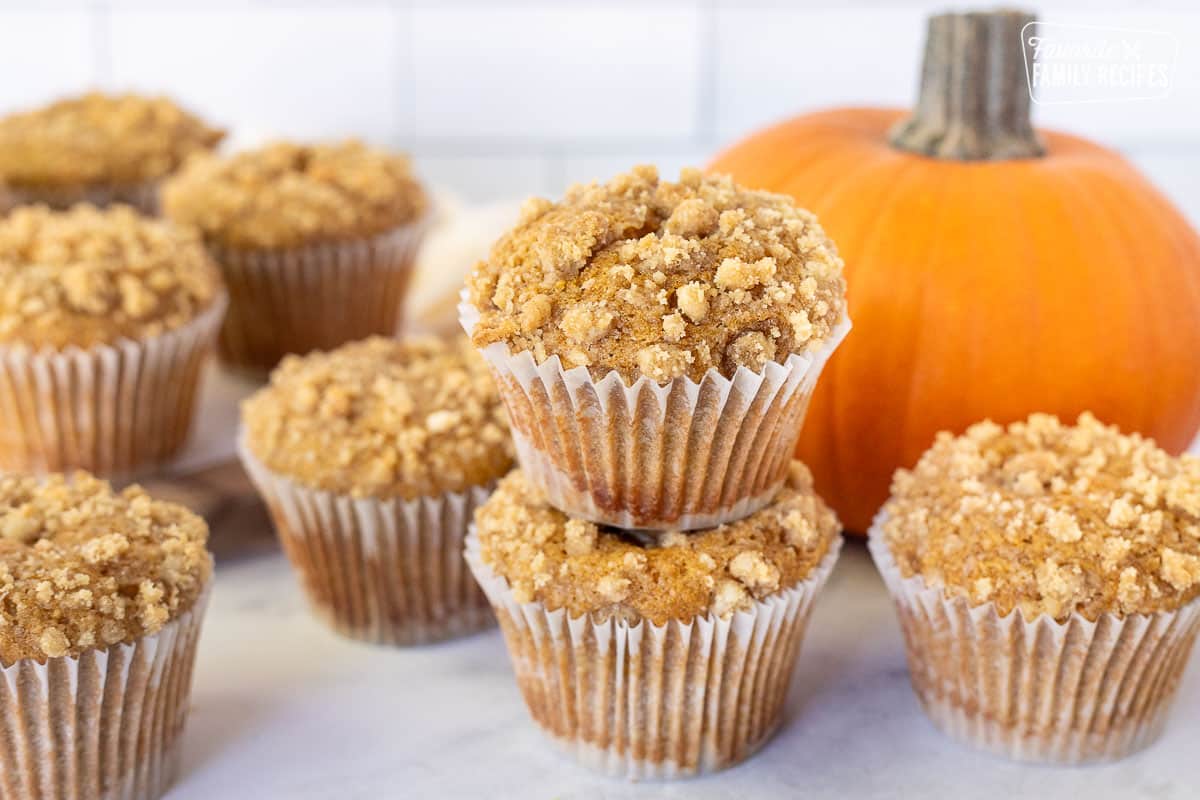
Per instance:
x=661, y=279
x=290, y=195
x=89, y=276
x=83, y=567
x=548, y=557
x=382, y=418
x=1051, y=519
x=99, y=139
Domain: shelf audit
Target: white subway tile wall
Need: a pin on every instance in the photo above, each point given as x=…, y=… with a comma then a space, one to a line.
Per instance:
x=44, y=54
x=498, y=100
x=262, y=71
x=577, y=74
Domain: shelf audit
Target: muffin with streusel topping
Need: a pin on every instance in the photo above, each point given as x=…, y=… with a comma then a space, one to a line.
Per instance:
x=1046, y=578
x=656, y=344
x=654, y=654
x=104, y=594
x=371, y=459
x=106, y=320
x=316, y=242
x=98, y=148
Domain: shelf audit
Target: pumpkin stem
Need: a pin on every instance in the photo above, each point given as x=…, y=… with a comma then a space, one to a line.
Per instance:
x=974, y=99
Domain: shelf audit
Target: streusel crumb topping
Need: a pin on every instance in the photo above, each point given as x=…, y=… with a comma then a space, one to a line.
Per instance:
x=99, y=138
x=661, y=279
x=382, y=418
x=88, y=276
x=83, y=567
x=594, y=569
x=291, y=195
x=1051, y=519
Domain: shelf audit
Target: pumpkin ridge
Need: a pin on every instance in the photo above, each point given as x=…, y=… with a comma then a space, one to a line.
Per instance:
x=1162, y=332
x=1085, y=195
x=912, y=404
x=831, y=447
x=907, y=171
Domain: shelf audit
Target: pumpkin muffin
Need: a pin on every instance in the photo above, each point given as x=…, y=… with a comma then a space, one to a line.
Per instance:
x=106, y=318
x=372, y=459
x=1066, y=554
x=653, y=654
x=317, y=243
x=101, y=589
x=98, y=148
x=697, y=313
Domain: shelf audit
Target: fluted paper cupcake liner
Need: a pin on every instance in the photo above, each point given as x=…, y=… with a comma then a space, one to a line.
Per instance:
x=386, y=571
x=313, y=298
x=142, y=196
x=115, y=410
x=647, y=701
x=1056, y=692
x=678, y=456
x=104, y=724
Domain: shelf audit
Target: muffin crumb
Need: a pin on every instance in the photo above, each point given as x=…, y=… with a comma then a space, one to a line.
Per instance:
x=1181, y=570
x=587, y=568
x=661, y=279
x=291, y=195
x=1057, y=519
x=91, y=567
x=89, y=276
x=99, y=139
x=382, y=418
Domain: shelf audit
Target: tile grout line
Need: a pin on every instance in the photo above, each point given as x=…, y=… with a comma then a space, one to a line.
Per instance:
x=99, y=19
x=706, y=111
x=404, y=73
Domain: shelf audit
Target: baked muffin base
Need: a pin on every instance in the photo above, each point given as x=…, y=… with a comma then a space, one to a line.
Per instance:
x=388, y=571
x=313, y=298
x=106, y=723
x=654, y=702
x=114, y=410
x=679, y=456
x=1041, y=691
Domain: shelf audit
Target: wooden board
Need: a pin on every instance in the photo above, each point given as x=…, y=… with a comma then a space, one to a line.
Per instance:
x=222, y=493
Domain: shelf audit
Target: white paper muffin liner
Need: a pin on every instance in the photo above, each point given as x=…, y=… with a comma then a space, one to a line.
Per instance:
x=142, y=196
x=652, y=702
x=105, y=724
x=1043, y=691
x=384, y=571
x=679, y=456
x=313, y=298
x=114, y=410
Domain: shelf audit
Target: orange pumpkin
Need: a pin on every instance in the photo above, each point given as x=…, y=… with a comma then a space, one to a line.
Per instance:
x=992, y=271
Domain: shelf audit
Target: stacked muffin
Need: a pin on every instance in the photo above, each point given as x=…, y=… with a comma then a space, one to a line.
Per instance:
x=371, y=459
x=654, y=561
x=316, y=243
x=98, y=148
x=1046, y=578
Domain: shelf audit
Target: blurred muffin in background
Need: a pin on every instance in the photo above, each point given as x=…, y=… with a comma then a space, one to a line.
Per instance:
x=104, y=594
x=458, y=239
x=98, y=148
x=371, y=459
x=106, y=318
x=316, y=242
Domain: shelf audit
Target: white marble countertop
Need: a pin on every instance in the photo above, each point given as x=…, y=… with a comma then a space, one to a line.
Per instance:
x=283, y=708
